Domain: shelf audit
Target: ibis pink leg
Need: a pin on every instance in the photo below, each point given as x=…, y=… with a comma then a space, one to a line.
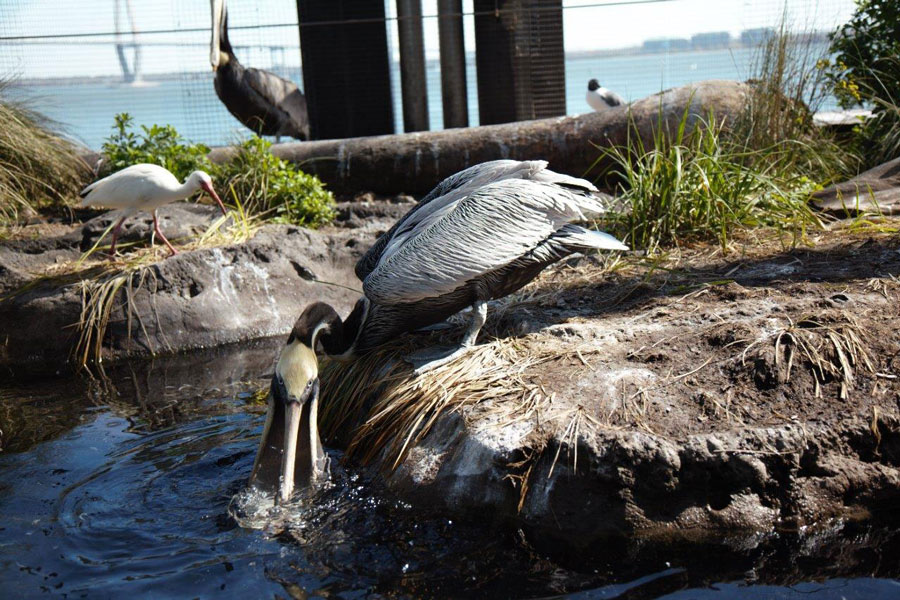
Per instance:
x=161, y=236
x=115, y=236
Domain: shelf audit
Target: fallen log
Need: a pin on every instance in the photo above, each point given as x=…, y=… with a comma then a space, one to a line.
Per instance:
x=414, y=162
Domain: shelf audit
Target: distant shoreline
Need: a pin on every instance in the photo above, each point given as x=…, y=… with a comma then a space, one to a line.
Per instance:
x=116, y=80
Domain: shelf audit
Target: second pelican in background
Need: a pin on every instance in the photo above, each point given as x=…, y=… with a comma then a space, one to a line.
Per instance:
x=264, y=102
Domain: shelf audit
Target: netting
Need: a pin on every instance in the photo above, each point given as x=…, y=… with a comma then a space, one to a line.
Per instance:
x=82, y=63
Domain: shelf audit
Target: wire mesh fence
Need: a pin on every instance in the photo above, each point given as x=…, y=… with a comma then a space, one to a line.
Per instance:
x=83, y=63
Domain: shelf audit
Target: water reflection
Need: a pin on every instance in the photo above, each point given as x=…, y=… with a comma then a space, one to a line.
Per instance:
x=124, y=486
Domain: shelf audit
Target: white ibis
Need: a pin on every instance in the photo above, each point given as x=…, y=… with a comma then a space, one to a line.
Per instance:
x=601, y=98
x=144, y=187
x=264, y=102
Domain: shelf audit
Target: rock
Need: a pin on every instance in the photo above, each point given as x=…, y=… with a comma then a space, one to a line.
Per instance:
x=876, y=190
x=195, y=299
x=178, y=221
x=620, y=441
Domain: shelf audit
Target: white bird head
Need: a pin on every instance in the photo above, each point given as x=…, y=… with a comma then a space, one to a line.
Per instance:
x=200, y=180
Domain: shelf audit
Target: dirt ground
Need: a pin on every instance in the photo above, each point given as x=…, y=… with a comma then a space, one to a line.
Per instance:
x=690, y=395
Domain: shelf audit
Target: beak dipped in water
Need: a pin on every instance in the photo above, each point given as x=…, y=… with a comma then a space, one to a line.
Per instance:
x=290, y=453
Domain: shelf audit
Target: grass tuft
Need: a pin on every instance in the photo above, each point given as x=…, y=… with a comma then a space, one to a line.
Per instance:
x=39, y=170
x=694, y=185
x=379, y=410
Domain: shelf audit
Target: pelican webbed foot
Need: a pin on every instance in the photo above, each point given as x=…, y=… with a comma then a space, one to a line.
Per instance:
x=429, y=359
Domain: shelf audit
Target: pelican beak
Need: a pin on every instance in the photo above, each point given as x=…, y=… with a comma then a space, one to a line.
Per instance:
x=209, y=190
x=290, y=453
x=217, y=8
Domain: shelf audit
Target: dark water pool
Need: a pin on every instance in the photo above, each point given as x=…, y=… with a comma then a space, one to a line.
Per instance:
x=121, y=488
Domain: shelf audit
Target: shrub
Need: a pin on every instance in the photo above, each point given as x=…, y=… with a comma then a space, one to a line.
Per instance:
x=264, y=184
x=158, y=144
x=866, y=71
x=865, y=50
x=271, y=186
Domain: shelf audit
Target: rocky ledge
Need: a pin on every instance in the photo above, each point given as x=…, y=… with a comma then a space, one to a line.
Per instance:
x=51, y=307
x=743, y=394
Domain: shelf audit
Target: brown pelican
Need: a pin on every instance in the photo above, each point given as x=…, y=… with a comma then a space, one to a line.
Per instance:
x=601, y=98
x=264, y=102
x=480, y=234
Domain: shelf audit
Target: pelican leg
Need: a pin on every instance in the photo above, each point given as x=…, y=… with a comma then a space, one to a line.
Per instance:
x=115, y=236
x=161, y=236
x=430, y=358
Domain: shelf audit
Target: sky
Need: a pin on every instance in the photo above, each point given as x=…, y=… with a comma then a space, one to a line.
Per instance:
x=587, y=24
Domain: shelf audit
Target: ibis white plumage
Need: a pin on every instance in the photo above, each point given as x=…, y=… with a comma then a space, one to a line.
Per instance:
x=144, y=187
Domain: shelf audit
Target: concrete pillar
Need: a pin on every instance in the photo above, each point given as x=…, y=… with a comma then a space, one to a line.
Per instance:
x=346, y=79
x=519, y=60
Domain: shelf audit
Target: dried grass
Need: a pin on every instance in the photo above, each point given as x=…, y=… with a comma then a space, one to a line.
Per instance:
x=833, y=351
x=381, y=410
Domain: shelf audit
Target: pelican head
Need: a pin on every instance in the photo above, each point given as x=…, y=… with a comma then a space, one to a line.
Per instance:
x=219, y=23
x=290, y=453
x=593, y=84
x=200, y=180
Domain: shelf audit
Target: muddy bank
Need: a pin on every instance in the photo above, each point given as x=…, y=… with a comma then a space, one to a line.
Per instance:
x=414, y=162
x=747, y=393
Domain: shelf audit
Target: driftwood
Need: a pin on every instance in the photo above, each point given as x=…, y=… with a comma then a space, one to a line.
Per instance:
x=414, y=162
x=875, y=191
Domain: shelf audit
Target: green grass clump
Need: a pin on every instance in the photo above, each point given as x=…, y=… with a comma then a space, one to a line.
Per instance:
x=694, y=185
x=265, y=185
x=787, y=88
x=268, y=185
x=39, y=170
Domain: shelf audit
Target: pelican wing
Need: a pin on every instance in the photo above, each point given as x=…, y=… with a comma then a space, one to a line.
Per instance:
x=451, y=190
x=279, y=94
x=472, y=236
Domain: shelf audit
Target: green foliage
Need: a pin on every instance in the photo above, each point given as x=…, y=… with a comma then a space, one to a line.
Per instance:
x=692, y=184
x=865, y=50
x=270, y=185
x=263, y=183
x=158, y=144
x=866, y=71
x=39, y=170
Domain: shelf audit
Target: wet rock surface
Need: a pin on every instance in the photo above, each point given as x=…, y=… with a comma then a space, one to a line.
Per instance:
x=195, y=299
x=750, y=394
